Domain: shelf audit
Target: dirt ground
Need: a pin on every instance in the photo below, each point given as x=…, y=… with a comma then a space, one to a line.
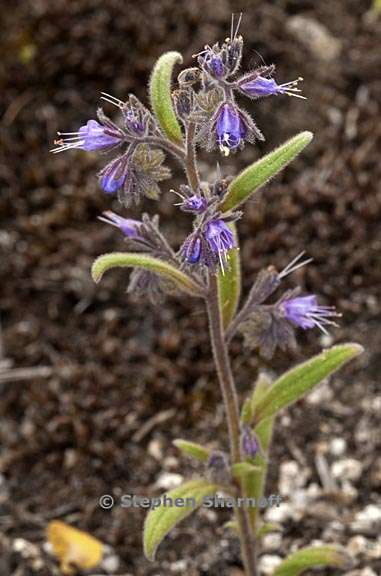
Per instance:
x=108, y=383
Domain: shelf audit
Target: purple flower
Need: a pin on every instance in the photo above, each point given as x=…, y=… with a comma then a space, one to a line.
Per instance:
x=192, y=249
x=219, y=237
x=304, y=311
x=133, y=123
x=90, y=137
x=257, y=86
x=195, y=203
x=113, y=176
x=249, y=443
x=130, y=228
x=230, y=128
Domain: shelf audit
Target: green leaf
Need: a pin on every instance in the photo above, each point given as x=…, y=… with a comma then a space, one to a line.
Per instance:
x=233, y=526
x=295, y=383
x=160, y=94
x=262, y=384
x=241, y=469
x=312, y=557
x=131, y=259
x=192, y=449
x=161, y=520
x=229, y=283
x=260, y=172
x=254, y=483
x=267, y=528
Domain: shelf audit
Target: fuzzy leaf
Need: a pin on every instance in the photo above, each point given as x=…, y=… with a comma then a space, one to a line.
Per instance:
x=261, y=386
x=241, y=469
x=260, y=172
x=229, y=283
x=267, y=528
x=254, y=483
x=136, y=260
x=295, y=383
x=160, y=94
x=192, y=449
x=312, y=557
x=161, y=520
x=233, y=526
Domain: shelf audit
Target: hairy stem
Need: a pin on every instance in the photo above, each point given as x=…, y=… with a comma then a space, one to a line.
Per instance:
x=225, y=376
x=190, y=164
x=177, y=151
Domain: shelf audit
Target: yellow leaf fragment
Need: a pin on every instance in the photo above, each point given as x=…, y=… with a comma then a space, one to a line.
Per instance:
x=73, y=548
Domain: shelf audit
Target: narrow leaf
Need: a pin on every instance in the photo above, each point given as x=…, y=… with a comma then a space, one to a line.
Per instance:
x=267, y=528
x=232, y=525
x=295, y=383
x=131, y=259
x=258, y=173
x=192, y=449
x=160, y=521
x=229, y=283
x=254, y=484
x=241, y=469
x=313, y=557
x=160, y=94
x=262, y=384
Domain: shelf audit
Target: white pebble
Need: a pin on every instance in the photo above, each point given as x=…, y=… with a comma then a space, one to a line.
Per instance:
x=169, y=480
x=337, y=446
x=367, y=520
x=268, y=563
x=348, y=469
x=179, y=567
x=272, y=541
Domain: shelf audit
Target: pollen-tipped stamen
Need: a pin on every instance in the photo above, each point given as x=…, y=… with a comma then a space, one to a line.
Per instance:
x=112, y=100
x=294, y=265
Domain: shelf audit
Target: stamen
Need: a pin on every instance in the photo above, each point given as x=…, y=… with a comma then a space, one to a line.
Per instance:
x=67, y=147
x=68, y=133
x=293, y=265
x=112, y=100
x=234, y=36
x=108, y=220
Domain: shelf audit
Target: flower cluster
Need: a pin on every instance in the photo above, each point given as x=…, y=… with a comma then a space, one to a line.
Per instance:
x=204, y=99
x=267, y=326
x=137, y=169
x=229, y=126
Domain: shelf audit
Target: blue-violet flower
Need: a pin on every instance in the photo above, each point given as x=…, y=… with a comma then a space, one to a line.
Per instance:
x=130, y=227
x=305, y=312
x=230, y=128
x=90, y=137
x=258, y=86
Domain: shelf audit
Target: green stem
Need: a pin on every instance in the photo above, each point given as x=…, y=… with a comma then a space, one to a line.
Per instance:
x=229, y=394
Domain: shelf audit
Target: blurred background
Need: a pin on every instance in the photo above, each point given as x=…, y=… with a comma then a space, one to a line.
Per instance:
x=95, y=386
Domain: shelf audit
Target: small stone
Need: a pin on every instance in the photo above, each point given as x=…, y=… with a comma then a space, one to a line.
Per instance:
x=268, y=563
x=169, y=480
x=290, y=478
x=178, y=567
x=357, y=545
x=110, y=562
x=368, y=520
x=282, y=513
x=170, y=463
x=348, y=469
x=326, y=340
x=321, y=394
x=337, y=446
x=316, y=37
x=272, y=541
x=155, y=449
